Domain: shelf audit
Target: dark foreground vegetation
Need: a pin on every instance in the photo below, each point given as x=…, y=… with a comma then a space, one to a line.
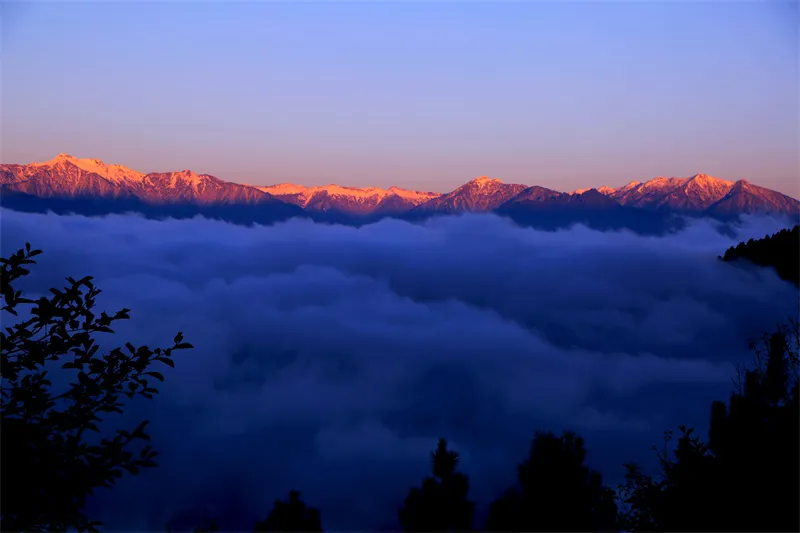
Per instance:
x=744, y=476
x=780, y=251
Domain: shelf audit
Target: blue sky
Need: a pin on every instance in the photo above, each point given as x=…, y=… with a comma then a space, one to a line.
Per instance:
x=425, y=95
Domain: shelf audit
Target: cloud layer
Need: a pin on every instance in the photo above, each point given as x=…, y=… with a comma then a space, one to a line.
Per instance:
x=330, y=358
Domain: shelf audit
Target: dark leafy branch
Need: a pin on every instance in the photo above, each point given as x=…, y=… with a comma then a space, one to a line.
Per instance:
x=49, y=466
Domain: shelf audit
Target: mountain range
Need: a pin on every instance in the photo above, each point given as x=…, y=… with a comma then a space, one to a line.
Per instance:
x=89, y=186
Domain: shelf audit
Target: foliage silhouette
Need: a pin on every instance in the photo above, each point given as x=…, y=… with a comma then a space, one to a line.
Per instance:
x=292, y=515
x=746, y=477
x=557, y=491
x=441, y=503
x=780, y=251
x=49, y=463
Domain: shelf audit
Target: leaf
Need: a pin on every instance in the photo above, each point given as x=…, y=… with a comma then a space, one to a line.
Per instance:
x=156, y=375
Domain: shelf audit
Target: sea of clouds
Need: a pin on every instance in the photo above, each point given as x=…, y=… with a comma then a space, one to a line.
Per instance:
x=330, y=358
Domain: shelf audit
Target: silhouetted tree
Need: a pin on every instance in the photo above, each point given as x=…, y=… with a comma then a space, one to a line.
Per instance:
x=557, y=491
x=747, y=476
x=441, y=503
x=292, y=515
x=780, y=251
x=49, y=463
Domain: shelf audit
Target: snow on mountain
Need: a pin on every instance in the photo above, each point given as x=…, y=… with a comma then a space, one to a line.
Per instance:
x=352, y=200
x=415, y=197
x=700, y=193
x=541, y=197
x=63, y=176
x=625, y=188
x=188, y=186
x=693, y=194
x=480, y=194
x=66, y=176
x=744, y=197
x=282, y=189
x=112, y=173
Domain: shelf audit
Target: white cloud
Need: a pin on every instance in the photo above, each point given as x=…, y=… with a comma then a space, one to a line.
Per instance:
x=330, y=358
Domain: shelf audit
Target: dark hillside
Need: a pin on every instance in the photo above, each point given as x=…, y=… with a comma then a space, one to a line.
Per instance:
x=780, y=251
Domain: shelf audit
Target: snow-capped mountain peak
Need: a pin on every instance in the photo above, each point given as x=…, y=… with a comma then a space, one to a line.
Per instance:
x=186, y=176
x=413, y=196
x=480, y=194
x=113, y=173
x=485, y=180
x=361, y=200
x=66, y=176
x=706, y=185
x=694, y=194
x=282, y=189
x=356, y=192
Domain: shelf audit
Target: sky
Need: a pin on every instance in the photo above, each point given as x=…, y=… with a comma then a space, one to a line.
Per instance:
x=423, y=95
x=330, y=359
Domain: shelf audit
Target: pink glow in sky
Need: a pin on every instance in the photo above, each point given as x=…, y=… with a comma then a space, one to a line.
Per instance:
x=423, y=96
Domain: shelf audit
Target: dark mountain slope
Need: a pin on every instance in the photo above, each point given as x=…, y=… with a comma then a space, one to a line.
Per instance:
x=236, y=213
x=479, y=195
x=542, y=208
x=780, y=251
x=744, y=197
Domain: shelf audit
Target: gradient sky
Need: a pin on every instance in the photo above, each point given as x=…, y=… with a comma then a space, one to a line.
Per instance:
x=419, y=95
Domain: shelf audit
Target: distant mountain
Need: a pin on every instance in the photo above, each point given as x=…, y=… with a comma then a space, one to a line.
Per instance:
x=89, y=186
x=202, y=189
x=479, y=195
x=780, y=251
x=744, y=197
x=541, y=198
x=695, y=194
x=69, y=177
x=66, y=177
x=243, y=214
x=544, y=208
x=703, y=194
x=349, y=200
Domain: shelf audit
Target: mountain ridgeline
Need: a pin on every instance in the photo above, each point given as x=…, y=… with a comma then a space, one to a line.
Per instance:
x=67, y=184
